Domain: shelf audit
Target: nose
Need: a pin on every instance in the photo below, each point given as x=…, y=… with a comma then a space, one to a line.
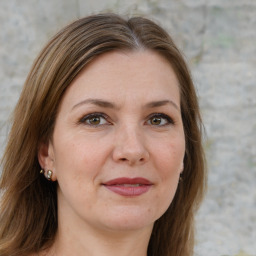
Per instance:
x=130, y=147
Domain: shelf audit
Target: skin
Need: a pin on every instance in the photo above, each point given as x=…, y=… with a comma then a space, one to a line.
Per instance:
x=139, y=135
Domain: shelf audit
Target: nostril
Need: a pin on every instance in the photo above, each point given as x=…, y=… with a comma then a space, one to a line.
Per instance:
x=130, y=156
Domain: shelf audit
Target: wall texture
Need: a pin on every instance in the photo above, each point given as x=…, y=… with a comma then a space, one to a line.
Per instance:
x=218, y=39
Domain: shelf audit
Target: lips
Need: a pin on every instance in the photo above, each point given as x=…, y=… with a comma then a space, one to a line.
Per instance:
x=128, y=186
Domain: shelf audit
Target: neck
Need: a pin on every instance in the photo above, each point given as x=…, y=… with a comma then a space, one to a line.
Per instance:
x=93, y=242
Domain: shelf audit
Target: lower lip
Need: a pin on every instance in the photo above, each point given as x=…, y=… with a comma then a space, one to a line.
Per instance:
x=129, y=191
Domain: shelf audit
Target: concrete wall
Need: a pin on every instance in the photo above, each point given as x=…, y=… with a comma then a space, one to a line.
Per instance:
x=219, y=39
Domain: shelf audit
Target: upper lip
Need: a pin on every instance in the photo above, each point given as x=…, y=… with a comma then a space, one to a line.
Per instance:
x=125, y=180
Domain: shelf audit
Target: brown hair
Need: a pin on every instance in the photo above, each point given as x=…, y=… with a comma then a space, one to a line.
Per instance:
x=28, y=217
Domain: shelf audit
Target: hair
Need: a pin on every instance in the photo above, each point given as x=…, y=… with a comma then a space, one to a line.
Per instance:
x=28, y=214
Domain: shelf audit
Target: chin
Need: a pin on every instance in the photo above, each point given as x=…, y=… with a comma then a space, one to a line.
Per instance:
x=131, y=219
x=128, y=225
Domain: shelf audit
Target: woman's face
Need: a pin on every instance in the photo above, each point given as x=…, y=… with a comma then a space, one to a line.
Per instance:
x=118, y=143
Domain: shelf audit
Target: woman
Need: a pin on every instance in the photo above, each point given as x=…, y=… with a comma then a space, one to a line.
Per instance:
x=104, y=156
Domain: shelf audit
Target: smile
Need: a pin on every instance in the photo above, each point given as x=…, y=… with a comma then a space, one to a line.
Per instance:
x=128, y=186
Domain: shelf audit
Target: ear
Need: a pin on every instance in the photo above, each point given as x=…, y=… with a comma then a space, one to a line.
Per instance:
x=46, y=158
x=182, y=167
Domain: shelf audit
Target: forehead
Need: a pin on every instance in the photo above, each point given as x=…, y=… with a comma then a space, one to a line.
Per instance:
x=144, y=74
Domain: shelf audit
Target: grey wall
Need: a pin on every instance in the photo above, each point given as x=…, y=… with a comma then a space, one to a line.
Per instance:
x=218, y=38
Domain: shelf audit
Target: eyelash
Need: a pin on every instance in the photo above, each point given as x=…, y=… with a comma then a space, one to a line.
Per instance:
x=168, y=119
x=86, y=118
x=161, y=116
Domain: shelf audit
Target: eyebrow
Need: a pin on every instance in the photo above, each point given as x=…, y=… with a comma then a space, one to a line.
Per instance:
x=155, y=104
x=97, y=102
x=107, y=104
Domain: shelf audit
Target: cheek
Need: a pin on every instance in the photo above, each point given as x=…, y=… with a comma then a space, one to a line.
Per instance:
x=76, y=168
x=170, y=159
x=169, y=163
x=79, y=157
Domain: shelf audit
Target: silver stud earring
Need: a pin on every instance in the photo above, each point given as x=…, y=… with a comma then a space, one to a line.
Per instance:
x=181, y=171
x=48, y=174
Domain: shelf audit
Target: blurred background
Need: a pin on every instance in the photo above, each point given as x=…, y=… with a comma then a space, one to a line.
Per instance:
x=218, y=39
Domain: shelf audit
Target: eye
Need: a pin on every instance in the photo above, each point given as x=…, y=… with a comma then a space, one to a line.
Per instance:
x=95, y=119
x=159, y=119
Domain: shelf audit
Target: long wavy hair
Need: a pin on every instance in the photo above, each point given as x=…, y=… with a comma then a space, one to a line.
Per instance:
x=28, y=213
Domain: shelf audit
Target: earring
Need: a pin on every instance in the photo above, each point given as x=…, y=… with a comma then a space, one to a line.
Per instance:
x=48, y=174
